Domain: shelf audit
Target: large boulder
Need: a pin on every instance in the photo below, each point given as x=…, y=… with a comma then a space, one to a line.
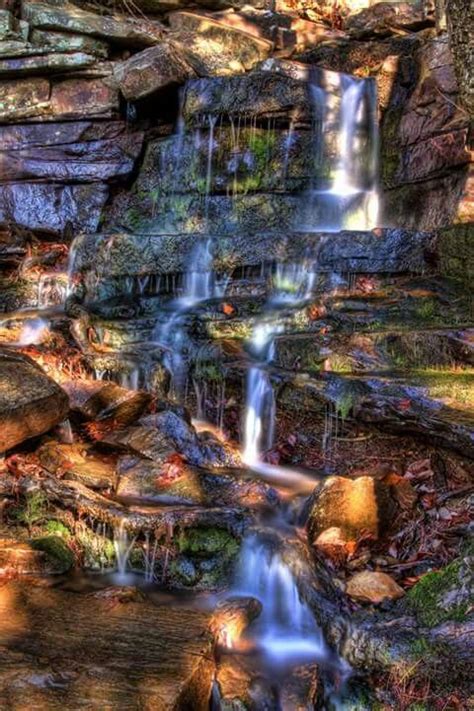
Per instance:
x=31, y=403
x=70, y=18
x=348, y=504
x=151, y=70
x=215, y=48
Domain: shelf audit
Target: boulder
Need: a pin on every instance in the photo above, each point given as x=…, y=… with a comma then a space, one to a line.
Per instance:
x=52, y=206
x=31, y=403
x=373, y=587
x=70, y=18
x=347, y=504
x=215, y=48
x=75, y=462
x=384, y=18
x=99, y=400
x=332, y=544
x=151, y=70
x=259, y=94
x=159, y=437
x=77, y=151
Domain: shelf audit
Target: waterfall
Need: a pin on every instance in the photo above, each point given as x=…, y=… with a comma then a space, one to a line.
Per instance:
x=286, y=627
x=199, y=286
x=199, y=282
x=123, y=547
x=351, y=199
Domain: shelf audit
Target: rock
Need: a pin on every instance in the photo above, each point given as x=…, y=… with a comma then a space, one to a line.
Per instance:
x=22, y=99
x=391, y=250
x=151, y=70
x=259, y=161
x=75, y=462
x=174, y=640
x=215, y=48
x=83, y=99
x=45, y=556
x=231, y=617
x=79, y=152
x=346, y=504
x=69, y=18
x=7, y=29
x=100, y=400
x=332, y=544
x=67, y=42
x=50, y=207
x=383, y=19
x=77, y=98
x=46, y=64
x=373, y=587
x=261, y=94
x=242, y=685
x=31, y=403
x=174, y=480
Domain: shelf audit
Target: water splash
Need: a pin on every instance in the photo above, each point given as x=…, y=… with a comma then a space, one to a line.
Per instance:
x=33, y=332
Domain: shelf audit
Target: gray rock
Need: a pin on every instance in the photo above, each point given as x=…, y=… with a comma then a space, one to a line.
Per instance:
x=52, y=206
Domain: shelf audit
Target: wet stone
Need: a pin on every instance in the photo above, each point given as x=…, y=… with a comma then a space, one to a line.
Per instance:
x=156, y=656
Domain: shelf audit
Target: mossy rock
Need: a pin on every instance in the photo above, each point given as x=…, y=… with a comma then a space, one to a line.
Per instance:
x=443, y=595
x=57, y=551
x=205, y=542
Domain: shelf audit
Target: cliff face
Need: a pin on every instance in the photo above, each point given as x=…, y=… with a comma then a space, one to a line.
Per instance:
x=85, y=87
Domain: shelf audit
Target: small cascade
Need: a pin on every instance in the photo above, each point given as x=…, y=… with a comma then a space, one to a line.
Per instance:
x=286, y=628
x=292, y=282
x=123, y=547
x=199, y=286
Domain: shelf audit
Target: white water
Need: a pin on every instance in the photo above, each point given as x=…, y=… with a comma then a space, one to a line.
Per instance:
x=351, y=201
x=123, y=545
x=33, y=332
x=286, y=628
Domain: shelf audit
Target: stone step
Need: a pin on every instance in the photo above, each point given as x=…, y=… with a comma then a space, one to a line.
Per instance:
x=108, y=257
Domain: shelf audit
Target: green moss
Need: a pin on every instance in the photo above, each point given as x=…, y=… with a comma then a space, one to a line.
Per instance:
x=32, y=510
x=427, y=597
x=207, y=541
x=427, y=310
x=98, y=552
x=57, y=528
x=56, y=549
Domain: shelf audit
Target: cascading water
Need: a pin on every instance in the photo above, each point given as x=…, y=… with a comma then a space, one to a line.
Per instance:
x=351, y=199
x=286, y=627
x=199, y=286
